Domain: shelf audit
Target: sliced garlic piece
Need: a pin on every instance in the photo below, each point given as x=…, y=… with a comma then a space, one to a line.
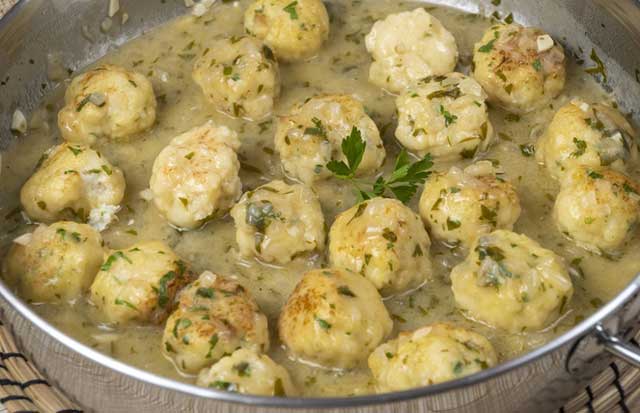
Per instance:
x=545, y=42
x=114, y=6
x=24, y=239
x=19, y=122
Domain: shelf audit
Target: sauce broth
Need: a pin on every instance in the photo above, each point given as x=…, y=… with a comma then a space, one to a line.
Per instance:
x=166, y=56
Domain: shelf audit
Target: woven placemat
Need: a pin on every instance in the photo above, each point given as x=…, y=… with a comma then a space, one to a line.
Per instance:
x=5, y=5
x=24, y=389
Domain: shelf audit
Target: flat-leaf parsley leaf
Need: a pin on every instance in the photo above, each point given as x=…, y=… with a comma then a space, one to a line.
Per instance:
x=403, y=181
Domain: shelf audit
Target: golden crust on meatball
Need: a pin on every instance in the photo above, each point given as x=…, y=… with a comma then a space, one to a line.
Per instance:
x=276, y=222
x=295, y=30
x=246, y=371
x=598, y=208
x=54, y=263
x=108, y=102
x=239, y=76
x=312, y=134
x=445, y=116
x=460, y=205
x=195, y=178
x=409, y=46
x=72, y=181
x=333, y=318
x=510, y=282
x=429, y=355
x=139, y=283
x=215, y=316
x=384, y=241
x=588, y=135
x=521, y=68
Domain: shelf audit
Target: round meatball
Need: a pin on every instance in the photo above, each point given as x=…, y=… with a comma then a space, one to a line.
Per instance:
x=312, y=135
x=276, y=222
x=72, y=181
x=139, y=283
x=589, y=135
x=239, y=76
x=460, y=205
x=429, y=355
x=195, y=178
x=385, y=242
x=598, y=208
x=54, y=263
x=295, y=30
x=409, y=46
x=521, y=68
x=445, y=116
x=246, y=371
x=215, y=316
x=108, y=102
x=333, y=318
x=510, y=282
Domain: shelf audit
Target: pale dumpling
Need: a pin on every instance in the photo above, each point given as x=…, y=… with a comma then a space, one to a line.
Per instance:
x=294, y=29
x=108, y=102
x=276, y=222
x=215, y=316
x=195, y=178
x=445, y=116
x=409, y=46
x=584, y=134
x=239, y=76
x=598, y=208
x=246, y=371
x=509, y=281
x=429, y=355
x=139, y=283
x=54, y=263
x=312, y=134
x=521, y=68
x=385, y=242
x=333, y=318
x=462, y=204
x=73, y=181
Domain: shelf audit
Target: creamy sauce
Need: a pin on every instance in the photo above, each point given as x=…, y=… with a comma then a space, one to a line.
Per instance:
x=165, y=55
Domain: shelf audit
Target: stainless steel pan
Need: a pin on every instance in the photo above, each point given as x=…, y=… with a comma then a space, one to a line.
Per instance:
x=540, y=381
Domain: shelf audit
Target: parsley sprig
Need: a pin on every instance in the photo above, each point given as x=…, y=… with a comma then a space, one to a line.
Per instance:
x=402, y=183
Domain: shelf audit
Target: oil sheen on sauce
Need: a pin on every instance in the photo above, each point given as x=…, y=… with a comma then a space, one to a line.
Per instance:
x=166, y=54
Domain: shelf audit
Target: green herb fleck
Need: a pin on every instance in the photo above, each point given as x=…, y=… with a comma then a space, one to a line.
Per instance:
x=595, y=175
x=213, y=341
x=120, y=301
x=112, y=258
x=527, y=150
x=75, y=150
x=317, y=130
x=344, y=290
x=599, y=68
x=452, y=224
x=278, y=388
x=205, y=292
x=581, y=147
x=181, y=323
x=323, y=323
x=449, y=119
x=457, y=368
x=224, y=385
x=243, y=369
x=162, y=290
x=291, y=9
x=537, y=64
